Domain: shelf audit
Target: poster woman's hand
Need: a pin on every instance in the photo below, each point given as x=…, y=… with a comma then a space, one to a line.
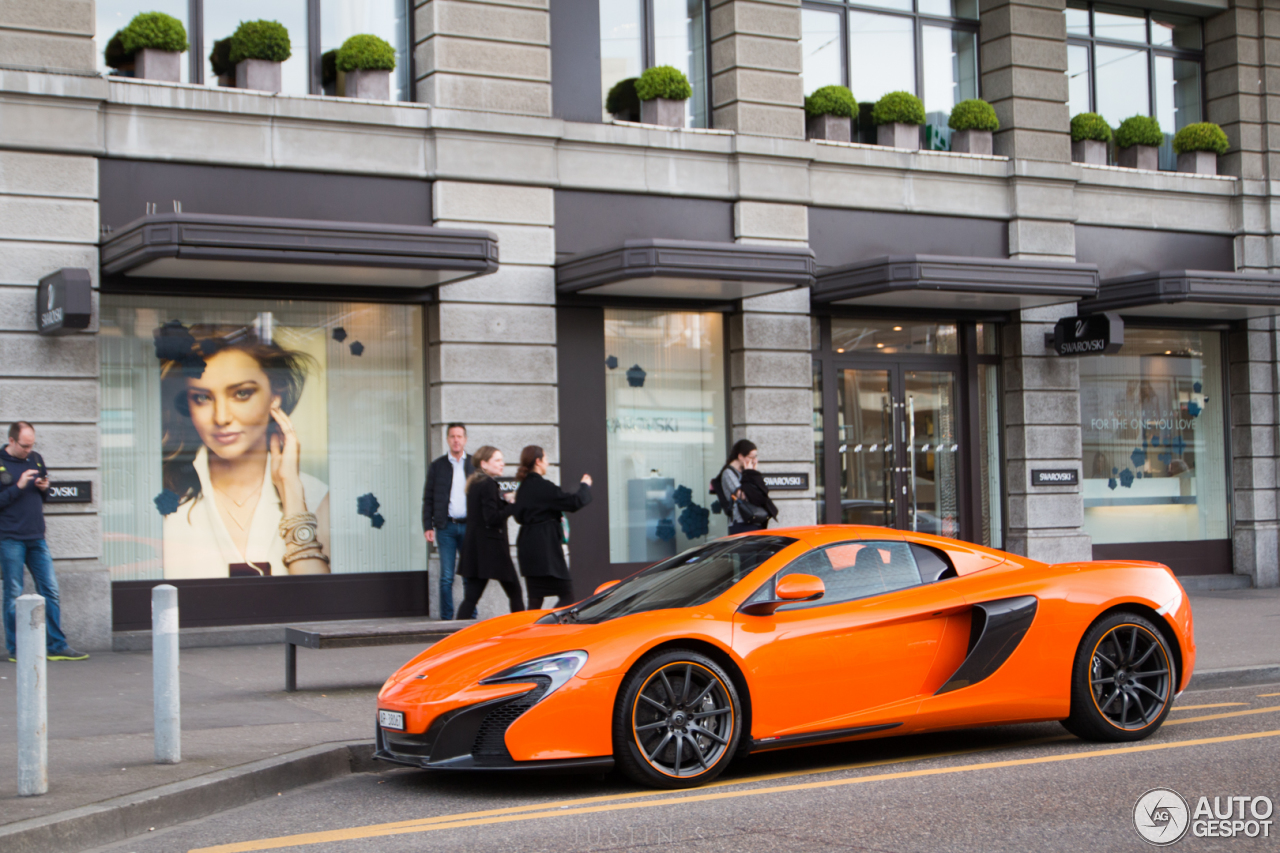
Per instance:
x=285, y=455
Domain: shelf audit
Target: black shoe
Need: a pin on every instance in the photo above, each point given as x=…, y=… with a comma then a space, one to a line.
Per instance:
x=68, y=654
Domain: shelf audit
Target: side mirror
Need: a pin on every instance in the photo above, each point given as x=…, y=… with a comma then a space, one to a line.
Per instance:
x=608, y=584
x=788, y=590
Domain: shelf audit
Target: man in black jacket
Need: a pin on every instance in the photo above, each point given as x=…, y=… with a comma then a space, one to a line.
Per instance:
x=444, y=509
x=24, y=485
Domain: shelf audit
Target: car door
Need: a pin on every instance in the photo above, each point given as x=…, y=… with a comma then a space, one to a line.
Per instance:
x=860, y=656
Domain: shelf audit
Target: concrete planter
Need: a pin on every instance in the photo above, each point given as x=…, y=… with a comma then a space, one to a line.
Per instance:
x=152, y=64
x=372, y=85
x=1090, y=151
x=972, y=141
x=830, y=128
x=1198, y=162
x=259, y=74
x=227, y=80
x=662, y=111
x=1139, y=157
x=899, y=135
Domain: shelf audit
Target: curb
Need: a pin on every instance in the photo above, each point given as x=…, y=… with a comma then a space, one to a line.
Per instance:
x=134, y=814
x=1235, y=676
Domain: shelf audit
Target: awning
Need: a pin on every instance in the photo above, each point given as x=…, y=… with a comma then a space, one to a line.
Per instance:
x=680, y=269
x=957, y=283
x=305, y=251
x=1193, y=294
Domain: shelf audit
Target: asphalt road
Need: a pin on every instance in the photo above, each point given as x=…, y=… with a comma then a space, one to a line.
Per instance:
x=1013, y=788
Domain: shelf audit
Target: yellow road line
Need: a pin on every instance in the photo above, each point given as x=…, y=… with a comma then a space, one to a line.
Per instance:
x=1222, y=716
x=383, y=831
x=1214, y=705
x=1265, y=695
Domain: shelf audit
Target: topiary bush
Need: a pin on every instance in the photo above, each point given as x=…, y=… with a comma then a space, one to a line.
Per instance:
x=831, y=101
x=973, y=114
x=1138, y=130
x=220, y=57
x=623, y=100
x=898, y=107
x=154, y=30
x=1202, y=136
x=1092, y=126
x=366, y=53
x=329, y=67
x=663, y=81
x=267, y=40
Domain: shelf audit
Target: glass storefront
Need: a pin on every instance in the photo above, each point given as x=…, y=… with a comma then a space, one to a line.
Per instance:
x=221, y=418
x=665, y=430
x=1154, y=439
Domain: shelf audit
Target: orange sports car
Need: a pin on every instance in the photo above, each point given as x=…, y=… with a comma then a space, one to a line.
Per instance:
x=795, y=636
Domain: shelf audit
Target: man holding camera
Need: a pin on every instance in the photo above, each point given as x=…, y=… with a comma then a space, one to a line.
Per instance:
x=24, y=486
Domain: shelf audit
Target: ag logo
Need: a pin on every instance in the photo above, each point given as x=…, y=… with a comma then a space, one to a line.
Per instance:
x=1161, y=816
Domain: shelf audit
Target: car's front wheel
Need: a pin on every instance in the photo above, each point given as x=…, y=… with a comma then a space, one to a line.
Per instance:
x=677, y=721
x=1123, y=681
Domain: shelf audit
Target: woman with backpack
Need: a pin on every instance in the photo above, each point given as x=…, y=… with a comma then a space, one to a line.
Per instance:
x=743, y=491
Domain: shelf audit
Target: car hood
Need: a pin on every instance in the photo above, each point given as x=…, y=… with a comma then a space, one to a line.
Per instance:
x=484, y=650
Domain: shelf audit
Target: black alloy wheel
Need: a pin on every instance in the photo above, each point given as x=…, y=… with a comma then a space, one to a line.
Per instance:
x=1123, y=681
x=677, y=721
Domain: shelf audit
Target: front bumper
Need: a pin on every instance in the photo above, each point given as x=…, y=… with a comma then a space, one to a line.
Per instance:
x=474, y=738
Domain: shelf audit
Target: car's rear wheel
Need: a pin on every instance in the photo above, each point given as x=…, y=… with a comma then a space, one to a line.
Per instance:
x=677, y=721
x=1123, y=681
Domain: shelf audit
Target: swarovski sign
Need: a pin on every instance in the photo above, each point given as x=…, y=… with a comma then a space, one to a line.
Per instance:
x=64, y=302
x=1093, y=334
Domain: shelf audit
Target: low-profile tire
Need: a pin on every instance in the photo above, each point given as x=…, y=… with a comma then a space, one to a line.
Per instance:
x=677, y=721
x=1123, y=681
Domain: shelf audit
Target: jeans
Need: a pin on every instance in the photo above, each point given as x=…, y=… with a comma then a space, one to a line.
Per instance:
x=448, y=542
x=35, y=554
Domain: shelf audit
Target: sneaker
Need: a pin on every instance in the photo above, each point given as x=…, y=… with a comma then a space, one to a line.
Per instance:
x=68, y=654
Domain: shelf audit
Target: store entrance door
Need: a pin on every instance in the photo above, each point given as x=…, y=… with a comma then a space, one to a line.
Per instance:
x=899, y=447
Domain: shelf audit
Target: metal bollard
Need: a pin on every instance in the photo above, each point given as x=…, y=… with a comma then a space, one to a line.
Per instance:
x=33, y=698
x=164, y=673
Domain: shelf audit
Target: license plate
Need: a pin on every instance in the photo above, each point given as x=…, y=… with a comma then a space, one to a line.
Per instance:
x=391, y=720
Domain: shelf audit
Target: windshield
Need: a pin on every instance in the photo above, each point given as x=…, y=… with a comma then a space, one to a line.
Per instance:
x=686, y=580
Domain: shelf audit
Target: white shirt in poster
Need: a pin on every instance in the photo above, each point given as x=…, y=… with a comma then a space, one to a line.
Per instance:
x=198, y=545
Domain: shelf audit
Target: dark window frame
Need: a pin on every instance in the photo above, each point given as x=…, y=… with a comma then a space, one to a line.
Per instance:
x=1184, y=54
x=919, y=21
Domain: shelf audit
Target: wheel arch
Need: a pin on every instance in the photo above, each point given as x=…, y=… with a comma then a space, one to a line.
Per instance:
x=1148, y=613
x=717, y=654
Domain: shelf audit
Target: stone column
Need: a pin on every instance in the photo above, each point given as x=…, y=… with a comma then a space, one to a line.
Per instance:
x=755, y=67
x=771, y=362
x=1236, y=83
x=1042, y=430
x=1252, y=356
x=48, y=35
x=482, y=55
x=1023, y=64
x=492, y=357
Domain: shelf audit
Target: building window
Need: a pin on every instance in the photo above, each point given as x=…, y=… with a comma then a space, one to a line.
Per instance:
x=338, y=20
x=1124, y=62
x=1154, y=439
x=927, y=47
x=640, y=34
x=186, y=387
x=665, y=430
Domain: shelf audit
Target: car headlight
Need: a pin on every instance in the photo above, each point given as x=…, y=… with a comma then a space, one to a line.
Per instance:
x=557, y=668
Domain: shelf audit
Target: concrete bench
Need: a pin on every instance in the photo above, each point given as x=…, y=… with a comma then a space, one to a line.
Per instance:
x=353, y=634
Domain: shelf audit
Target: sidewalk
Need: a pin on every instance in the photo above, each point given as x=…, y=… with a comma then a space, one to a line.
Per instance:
x=235, y=710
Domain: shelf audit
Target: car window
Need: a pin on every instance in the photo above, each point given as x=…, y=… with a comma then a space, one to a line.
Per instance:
x=934, y=565
x=852, y=570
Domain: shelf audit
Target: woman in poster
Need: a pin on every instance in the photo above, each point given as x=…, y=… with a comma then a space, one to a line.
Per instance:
x=236, y=503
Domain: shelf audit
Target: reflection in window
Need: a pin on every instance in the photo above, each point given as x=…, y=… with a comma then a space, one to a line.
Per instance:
x=989, y=455
x=853, y=570
x=387, y=19
x=1122, y=83
x=882, y=54
x=1079, y=82
x=888, y=337
x=223, y=16
x=621, y=44
x=1177, y=101
x=665, y=428
x=359, y=420
x=1153, y=439
x=950, y=76
x=821, y=43
x=115, y=15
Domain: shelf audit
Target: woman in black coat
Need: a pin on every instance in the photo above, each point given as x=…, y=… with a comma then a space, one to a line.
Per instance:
x=540, y=508
x=486, y=551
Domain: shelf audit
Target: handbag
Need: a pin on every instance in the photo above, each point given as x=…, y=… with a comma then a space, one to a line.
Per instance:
x=752, y=513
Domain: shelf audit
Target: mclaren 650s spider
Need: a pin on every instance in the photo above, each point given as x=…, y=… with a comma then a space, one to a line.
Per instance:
x=789, y=637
